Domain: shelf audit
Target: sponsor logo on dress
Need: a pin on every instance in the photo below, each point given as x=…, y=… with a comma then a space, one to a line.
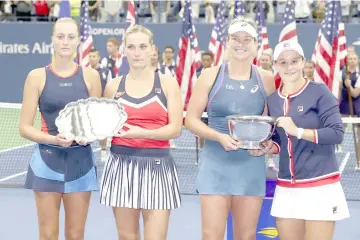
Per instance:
x=254, y=89
x=229, y=87
x=65, y=84
x=335, y=210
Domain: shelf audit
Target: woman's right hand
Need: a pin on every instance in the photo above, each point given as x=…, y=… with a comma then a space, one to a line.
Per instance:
x=62, y=141
x=228, y=143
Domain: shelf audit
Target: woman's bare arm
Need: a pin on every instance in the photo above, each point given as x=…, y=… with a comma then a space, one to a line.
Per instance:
x=198, y=102
x=112, y=87
x=93, y=82
x=268, y=81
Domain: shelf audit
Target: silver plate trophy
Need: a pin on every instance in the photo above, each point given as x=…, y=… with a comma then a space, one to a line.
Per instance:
x=251, y=131
x=91, y=119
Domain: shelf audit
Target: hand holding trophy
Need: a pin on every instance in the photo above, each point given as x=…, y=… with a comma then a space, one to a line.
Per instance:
x=88, y=120
x=252, y=132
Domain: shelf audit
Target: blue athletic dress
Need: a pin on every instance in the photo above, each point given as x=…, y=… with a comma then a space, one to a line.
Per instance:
x=55, y=168
x=232, y=172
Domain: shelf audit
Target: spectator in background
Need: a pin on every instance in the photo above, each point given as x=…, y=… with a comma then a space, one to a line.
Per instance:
x=42, y=10
x=309, y=70
x=111, y=62
x=345, y=10
x=6, y=11
x=144, y=12
x=160, y=10
x=209, y=13
x=265, y=6
x=94, y=10
x=350, y=76
x=105, y=77
x=23, y=10
x=75, y=6
x=155, y=62
x=280, y=10
x=319, y=11
x=105, y=74
x=111, y=10
x=195, y=8
x=350, y=84
x=168, y=59
x=54, y=9
x=155, y=57
x=207, y=60
x=303, y=11
x=266, y=61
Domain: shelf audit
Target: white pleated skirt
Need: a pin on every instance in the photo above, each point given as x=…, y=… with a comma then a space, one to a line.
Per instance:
x=321, y=203
x=140, y=178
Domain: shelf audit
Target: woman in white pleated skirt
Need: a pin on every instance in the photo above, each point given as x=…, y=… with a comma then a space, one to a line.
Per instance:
x=140, y=176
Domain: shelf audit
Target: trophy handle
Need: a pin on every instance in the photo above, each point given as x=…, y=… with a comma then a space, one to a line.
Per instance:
x=231, y=128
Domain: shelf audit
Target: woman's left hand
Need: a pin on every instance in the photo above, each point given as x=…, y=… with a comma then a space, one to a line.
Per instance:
x=81, y=142
x=131, y=132
x=288, y=125
x=266, y=147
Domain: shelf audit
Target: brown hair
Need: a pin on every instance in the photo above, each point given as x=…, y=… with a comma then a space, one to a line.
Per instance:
x=210, y=54
x=311, y=62
x=113, y=41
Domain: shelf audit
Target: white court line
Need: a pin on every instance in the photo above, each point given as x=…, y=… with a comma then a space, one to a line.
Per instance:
x=15, y=148
x=23, y=173
x=12, y=176
x=344, y=162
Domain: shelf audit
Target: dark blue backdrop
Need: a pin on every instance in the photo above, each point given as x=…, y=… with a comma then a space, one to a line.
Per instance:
x=25, y=46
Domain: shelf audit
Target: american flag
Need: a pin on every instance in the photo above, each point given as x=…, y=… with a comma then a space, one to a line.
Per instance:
x=187, y=59
x=288, y=32
x=239, y=9
x=342, y=49
x=262, y=31
x=218, y=35
x=313, y=56
x=327, y=57
x=122, y=63
x=86, y=39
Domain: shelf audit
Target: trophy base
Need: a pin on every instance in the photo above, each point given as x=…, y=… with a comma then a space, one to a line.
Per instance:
x=251, y=145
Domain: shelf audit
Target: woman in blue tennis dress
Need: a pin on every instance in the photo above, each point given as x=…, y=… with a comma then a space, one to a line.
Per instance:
x=229, y=177
x=60, y=169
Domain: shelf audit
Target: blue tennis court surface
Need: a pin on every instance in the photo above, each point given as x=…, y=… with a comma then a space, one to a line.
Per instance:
x=18, y=219
x=18, y=212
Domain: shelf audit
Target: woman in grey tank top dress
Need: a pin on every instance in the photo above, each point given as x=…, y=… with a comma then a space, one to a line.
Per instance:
x=230, y=177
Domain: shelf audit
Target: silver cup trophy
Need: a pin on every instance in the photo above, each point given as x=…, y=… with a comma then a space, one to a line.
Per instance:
x=251, y=131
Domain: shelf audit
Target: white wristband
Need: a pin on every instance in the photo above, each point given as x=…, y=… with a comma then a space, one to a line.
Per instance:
x=300, y=132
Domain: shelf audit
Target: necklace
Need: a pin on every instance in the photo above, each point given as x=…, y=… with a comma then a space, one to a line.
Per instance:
x=242, y=85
